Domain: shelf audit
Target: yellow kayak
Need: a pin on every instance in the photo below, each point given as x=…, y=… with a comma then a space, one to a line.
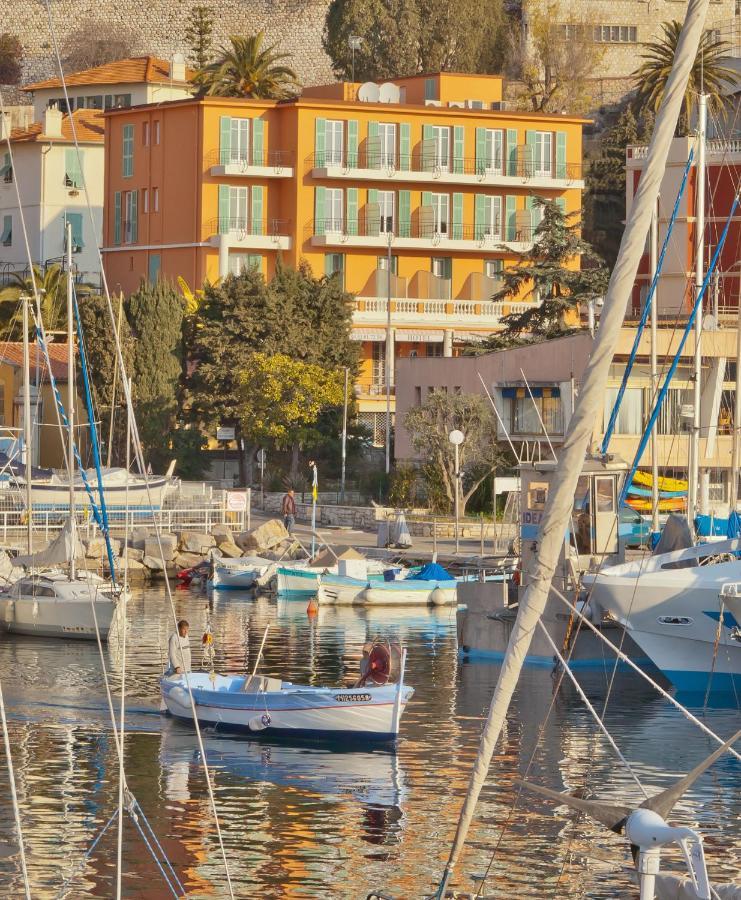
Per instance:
x=665, y=484
x=669, y=504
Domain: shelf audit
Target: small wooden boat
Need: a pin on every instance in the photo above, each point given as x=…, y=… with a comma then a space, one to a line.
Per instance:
x=270, y=707
x=430, y=586
x=240, y=574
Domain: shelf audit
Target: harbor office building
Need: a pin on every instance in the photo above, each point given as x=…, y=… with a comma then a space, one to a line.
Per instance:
x=430, y=171
x=552, y=373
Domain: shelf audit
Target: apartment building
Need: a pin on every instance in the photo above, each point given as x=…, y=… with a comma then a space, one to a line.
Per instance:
x=418, y=191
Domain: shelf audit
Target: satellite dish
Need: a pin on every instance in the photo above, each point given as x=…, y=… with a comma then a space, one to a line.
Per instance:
x=369, y=92
x=388, y=93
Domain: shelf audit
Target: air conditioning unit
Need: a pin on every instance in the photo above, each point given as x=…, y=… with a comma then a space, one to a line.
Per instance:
x=475, y=104
x=499, y=105
x=456, y=104
x=433, y=103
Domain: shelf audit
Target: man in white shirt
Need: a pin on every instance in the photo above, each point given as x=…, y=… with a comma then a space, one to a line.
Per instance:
x=178, y=650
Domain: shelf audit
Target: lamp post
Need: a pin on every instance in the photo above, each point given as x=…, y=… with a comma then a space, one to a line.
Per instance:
x=456, y=438
x=344, y=438
x=314, y=495
x=354, y=42
x=389, y=223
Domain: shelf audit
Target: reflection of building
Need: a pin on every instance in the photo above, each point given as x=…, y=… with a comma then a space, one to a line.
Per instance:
x=554, y=370
x=438, y=176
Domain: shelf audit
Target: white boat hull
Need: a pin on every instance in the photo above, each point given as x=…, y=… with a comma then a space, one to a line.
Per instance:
x=293, y=711
x=51, y=617
x=240, y=574
x=407, y=592
x=298, y=582
x=139, y=497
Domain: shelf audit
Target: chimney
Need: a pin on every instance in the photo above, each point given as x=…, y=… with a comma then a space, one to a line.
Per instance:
x=52, y=121
x=177, y=67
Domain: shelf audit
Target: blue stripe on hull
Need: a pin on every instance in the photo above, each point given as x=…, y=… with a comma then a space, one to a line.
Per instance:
x=697, y=682
x=597, y=662
x=298, y=734
x=296, y=594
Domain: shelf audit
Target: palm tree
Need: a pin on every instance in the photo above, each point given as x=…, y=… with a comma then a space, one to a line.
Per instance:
x=248, y=69
x=709, y=73
x=51, y=284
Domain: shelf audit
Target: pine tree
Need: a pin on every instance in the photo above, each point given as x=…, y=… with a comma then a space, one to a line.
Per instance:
x=543, y=275
x=199, y=30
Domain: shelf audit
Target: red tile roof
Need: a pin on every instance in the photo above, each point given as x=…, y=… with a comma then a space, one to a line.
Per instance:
x=89, y=125
x=135, y=70
x=11, y=354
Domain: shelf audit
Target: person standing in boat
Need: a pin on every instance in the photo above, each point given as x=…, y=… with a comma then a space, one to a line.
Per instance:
x=178, y=650
x=288, y=509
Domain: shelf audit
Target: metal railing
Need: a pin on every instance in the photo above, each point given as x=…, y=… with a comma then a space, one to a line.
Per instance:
x=422, y=226
x=242, y=227
x=243, y=160
x=518, y=163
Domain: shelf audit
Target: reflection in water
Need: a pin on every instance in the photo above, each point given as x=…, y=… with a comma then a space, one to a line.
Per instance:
x=307, y=822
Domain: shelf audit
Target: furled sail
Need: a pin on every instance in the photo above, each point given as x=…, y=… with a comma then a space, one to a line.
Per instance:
x=61, y=550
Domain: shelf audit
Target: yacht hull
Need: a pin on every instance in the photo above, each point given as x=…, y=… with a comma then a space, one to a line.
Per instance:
x=69, y=619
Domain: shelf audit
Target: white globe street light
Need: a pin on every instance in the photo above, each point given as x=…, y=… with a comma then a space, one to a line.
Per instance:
x=456, y=438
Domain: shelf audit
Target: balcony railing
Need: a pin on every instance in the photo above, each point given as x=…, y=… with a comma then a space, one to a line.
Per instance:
x=423, y=226
x=720, y=147
x=274, y=159
x=519, y=164
x=455, y=309
x=241, y=227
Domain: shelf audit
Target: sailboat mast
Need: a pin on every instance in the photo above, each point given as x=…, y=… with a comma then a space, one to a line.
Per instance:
x=654, y=257
x=70, y=397
x=694, y=480
x=733, y=497
x=27, y=462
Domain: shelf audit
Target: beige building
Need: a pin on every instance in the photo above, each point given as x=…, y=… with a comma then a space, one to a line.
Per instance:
x=622, y=28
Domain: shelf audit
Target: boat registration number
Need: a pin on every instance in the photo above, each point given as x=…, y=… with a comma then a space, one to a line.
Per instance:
x=352, y=698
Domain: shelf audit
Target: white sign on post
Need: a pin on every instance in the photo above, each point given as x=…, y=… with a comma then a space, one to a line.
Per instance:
x=236, y=501
x=225, y=434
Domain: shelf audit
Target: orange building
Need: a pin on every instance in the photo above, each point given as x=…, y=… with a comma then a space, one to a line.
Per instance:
x=430, y=171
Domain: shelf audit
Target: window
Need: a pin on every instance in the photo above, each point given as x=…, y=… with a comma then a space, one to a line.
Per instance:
x=95, y=102
x=378, y=369
x=492, y=150
x=6, y=170
x=430, y=89
x=239, y=142
x=145, y=134
x=489, y=218
x=120, y=101
x=493, y=268
x=334, y=209
x=382, y=262
x=155, y=199
x=334, y=136
x=442, y=267
x=156, y=130
x=614, y=34
x=73, y=168
x=417, y=395
x=236, y=209
x=630, y=415
x=543, y=152
x=334, y=264
x=440, y=147
x=75, y=221
x=440, y=213
x=145, y=200
x=434, y=348
x=155, y=262
x=128, y=151
x=387, y=143
x=7, y=236
x=244, y=262
x=386, y=211
x=131, y=224
x=527, y=411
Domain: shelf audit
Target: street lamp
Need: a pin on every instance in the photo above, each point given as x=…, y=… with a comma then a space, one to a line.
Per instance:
x=456, y=438
x=354, y=42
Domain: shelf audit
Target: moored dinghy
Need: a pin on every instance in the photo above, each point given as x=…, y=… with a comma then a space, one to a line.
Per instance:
x=240, y=574
x=269, y=707
x=432, y=585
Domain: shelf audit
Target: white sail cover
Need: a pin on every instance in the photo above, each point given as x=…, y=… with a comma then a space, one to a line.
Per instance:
x=581, y=427
x=60, y=550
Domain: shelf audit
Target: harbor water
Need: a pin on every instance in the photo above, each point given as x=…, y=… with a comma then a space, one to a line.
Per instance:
x=310, y=822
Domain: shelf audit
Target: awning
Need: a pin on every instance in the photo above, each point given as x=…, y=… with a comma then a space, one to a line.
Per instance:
x=367, y=334
x=420, y=337
x=514, y=392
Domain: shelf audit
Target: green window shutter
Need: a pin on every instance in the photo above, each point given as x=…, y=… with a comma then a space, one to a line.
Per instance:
x=75, y=220
x=527, y=225
x=480, y=150
x=458, y=149
x=479, y=206
x=372, y=214
x=258, y=143
x=223, y=209
x=352, y=211
x=134, y=216
x=512, y=151
x=405, y=146
x=225, y=139
x=128, y=151
x=561, y=204
x=352, y=143
x=426, y=198
x=257, y=210
x=72, y=168
x=458, y=217
x=155, y=261
x=428, y=154
x=373, y=147
x=405, y=214
x=6, y=167
x=254, y=261
x=372, y=195
x=560, y=154
x=319, y=216
x=117, y=218
x=532, y=154
x=6, y=238
x=510, y=217
x=320, y=126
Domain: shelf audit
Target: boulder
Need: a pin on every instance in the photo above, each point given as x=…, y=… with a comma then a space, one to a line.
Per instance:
x=187, y=560
x=264, y=537
x=229, y=549
x=195, y=542
x=133, y=554
x=154, y=563
x=169, y=547
x=222, y=534
x=139, y=537
x=96, y=548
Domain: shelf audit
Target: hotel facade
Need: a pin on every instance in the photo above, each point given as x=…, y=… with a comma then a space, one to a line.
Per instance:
x=428, y=177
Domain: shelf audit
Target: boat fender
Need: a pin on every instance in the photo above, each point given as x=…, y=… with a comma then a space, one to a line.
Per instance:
x=35, y=610
x=437, y=597
x=10, y=611
x=365, y=595
x=259, y=723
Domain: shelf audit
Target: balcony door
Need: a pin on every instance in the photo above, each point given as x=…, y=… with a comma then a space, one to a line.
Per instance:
x=334, y=136
x=493, y=151
x=334, y=209
x=492, y=224
x=440, y=213
x=386, y=211
x=237, y=209
x=543, y=153
x=387, y=141
x=441, y=147
x=239, y=141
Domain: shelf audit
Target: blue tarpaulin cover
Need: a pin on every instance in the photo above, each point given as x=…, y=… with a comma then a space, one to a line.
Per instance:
x=432, y=572
x=734, y=525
